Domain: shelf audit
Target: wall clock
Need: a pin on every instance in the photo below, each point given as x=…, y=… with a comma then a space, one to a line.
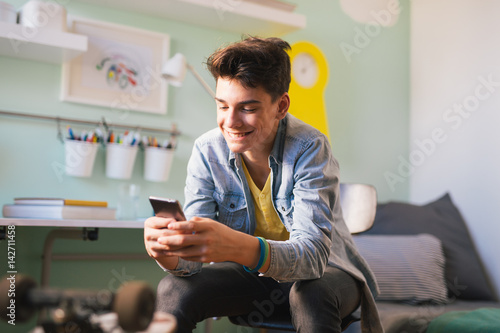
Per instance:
x=309, y=78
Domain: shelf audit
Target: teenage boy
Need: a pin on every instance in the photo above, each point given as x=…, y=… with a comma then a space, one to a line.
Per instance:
x=262, y=204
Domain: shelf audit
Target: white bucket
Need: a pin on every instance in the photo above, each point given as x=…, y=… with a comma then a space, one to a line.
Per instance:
x=43, y=15
x=157, y=163
x=7, y=13
x=120, y=159
x=79, y=157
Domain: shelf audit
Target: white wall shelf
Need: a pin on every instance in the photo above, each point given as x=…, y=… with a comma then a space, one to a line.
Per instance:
x=237, y=16
x=44, y=45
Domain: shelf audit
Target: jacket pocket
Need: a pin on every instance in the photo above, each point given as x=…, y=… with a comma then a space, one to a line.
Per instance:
x=232, y=210
x=284, y=207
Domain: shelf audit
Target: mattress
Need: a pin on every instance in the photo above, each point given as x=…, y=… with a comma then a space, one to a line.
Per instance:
x=397, y=318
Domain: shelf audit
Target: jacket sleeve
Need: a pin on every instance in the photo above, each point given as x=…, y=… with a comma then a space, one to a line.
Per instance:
x=198, y=194
x=315, y=194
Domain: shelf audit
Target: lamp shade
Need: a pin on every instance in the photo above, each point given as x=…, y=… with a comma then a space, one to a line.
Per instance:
x=174, y=69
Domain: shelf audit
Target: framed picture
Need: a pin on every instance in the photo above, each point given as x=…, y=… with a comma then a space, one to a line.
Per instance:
x=120, y=70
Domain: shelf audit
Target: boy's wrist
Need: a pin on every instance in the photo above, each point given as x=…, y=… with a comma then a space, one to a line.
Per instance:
x=263, y=256
x=168, y=263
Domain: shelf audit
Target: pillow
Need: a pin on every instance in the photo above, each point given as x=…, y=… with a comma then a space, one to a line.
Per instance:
x=464, y=274
x=409, y=269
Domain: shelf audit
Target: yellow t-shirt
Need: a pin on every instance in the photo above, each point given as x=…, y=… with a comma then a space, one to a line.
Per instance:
x=269, y=224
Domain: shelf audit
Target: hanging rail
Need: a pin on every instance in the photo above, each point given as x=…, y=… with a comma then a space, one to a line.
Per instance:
x=173, y=131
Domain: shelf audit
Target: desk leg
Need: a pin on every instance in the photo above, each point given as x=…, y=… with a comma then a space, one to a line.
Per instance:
x=49, y=243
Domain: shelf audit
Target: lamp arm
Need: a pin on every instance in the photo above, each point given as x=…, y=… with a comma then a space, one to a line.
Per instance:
x=200, y=79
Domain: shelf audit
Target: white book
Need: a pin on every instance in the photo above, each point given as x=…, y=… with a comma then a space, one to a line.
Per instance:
x=58, y=202
x=282, y=5
x=39, y=201
x=59, y=212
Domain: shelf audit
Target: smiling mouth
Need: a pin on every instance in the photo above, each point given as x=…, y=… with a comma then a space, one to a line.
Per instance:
x=237, y=135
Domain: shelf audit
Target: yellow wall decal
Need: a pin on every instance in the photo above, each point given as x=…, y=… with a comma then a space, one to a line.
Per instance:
x=309, y=79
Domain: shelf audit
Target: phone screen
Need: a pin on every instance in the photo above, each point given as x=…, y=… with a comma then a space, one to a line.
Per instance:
x=170, y=208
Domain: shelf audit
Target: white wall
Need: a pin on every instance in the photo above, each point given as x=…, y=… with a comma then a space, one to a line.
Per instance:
x=455, y=118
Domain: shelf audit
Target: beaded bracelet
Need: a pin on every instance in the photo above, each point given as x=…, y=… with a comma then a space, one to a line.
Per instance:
x=264, y=253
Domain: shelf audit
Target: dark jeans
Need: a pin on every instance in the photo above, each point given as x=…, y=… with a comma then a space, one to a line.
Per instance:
x=226, y=289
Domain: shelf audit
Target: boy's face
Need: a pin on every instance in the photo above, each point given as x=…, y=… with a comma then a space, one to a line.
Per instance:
x=247, y=117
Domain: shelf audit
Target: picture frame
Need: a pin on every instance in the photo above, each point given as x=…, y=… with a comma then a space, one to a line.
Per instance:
x=120, y=70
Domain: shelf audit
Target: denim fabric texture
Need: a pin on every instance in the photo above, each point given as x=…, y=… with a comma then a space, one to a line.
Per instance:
x=305, y=192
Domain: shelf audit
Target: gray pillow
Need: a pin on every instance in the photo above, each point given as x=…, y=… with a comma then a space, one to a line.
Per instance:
x=464, y=272
x=408, y=269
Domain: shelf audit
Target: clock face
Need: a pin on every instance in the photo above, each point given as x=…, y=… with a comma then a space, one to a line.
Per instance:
x=305, y=70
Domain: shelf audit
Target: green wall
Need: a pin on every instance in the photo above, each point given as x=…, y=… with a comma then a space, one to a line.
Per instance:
x=366, y=98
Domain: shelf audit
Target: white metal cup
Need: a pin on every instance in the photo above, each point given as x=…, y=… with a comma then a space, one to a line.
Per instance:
x=79, y=157
x=39, y=14
x=7, y=13
x=157, y=163
x=120, y=159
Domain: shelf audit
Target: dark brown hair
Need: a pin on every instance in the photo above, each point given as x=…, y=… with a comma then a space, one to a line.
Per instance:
x=254, y=62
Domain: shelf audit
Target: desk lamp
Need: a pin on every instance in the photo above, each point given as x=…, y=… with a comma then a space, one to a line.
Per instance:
x=174, y=71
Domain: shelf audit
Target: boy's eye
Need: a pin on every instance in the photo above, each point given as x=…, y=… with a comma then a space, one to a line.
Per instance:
x=248, y=110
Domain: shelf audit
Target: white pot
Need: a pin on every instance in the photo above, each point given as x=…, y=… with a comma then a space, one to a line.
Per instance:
x=39, y=14
x=7, y=13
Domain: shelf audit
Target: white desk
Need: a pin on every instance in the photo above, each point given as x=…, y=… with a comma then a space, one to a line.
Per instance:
x=90, y=232
x=162, y=322
x=72, y=223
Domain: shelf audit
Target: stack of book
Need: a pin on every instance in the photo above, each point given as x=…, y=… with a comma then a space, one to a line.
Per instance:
x=55, y=208
x=277, y=4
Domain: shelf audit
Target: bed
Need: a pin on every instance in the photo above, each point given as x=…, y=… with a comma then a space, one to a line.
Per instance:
x=427, y=267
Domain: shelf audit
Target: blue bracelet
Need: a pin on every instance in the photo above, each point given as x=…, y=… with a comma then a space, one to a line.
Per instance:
x=263, y=256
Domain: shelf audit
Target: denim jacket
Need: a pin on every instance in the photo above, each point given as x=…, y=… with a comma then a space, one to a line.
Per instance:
x=305, y=192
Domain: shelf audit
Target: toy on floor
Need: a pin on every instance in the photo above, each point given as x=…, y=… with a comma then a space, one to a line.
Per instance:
x=79, y=310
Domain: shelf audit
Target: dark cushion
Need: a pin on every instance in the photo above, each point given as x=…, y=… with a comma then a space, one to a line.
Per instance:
x=408, y=268
x=464, y=272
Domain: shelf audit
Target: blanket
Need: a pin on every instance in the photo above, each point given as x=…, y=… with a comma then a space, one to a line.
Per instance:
x=485, y=320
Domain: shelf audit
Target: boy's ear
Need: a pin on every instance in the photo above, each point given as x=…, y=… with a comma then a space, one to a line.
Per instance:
x=283, y=106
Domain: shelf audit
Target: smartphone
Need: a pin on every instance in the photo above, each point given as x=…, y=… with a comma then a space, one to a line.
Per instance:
x=170, y=208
